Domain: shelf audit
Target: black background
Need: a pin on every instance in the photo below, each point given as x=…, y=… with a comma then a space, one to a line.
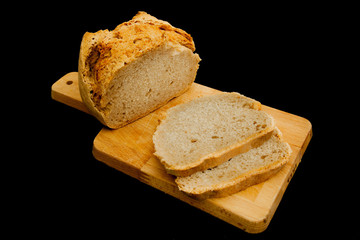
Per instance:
x=290, y=57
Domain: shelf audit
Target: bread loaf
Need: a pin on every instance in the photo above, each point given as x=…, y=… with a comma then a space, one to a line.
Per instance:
x=139, y=66
x=240, y=172
x=208, y=131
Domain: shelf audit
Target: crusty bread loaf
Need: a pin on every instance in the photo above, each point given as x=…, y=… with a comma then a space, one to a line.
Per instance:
x=209, y=130
x=240, y=172
x=139, y=66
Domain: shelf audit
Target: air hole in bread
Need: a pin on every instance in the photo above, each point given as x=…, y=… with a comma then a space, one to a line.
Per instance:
x=246, y=105
x=193, y=140
x=214, y=137
x=148, y=92
x=136, y=40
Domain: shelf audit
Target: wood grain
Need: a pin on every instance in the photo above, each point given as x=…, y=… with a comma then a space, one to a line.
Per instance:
x=130, y=150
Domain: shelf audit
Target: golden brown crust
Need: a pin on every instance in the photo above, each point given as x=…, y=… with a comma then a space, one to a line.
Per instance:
x=104, y=53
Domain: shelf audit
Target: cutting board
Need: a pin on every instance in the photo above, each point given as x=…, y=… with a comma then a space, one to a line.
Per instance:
x=130, y=150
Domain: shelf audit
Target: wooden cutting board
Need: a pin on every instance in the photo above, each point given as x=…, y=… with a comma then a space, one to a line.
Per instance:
x=130, y=150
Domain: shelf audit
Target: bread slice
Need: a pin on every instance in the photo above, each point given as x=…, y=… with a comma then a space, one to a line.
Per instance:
x=139, y=66
x=240, y=172
x=208, y=131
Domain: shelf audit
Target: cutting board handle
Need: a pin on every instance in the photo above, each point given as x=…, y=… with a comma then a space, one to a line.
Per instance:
x=66, y=90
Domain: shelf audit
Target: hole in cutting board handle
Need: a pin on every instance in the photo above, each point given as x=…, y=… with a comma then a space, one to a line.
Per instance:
x=69, y=82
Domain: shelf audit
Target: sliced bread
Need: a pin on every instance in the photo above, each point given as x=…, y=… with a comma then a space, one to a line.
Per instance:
x=139, y=66
x=240, y=172
x=208, y=131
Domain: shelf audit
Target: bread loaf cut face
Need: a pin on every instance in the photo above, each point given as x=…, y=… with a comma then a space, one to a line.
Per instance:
x=208, y=131
x=240, y=172
x=139, y=66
